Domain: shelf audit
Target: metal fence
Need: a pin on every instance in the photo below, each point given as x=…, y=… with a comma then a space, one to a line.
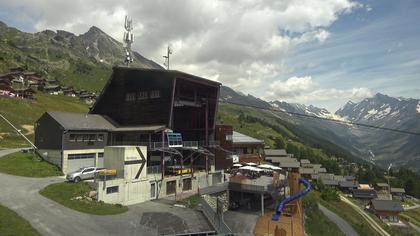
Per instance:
x=215, y=219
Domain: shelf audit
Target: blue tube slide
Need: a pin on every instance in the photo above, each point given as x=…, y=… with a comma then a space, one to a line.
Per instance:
x=283, y=203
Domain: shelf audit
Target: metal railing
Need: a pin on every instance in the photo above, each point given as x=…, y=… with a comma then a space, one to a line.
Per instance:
x=158, y=145
x=153, y=170
x=215, y=219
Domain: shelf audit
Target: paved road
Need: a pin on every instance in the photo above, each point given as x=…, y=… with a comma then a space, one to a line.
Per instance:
x=340, y=222
x=50, y=218
x=8, y=151
x=367, y=217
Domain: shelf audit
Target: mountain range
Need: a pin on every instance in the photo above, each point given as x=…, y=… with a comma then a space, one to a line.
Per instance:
x=85, y=62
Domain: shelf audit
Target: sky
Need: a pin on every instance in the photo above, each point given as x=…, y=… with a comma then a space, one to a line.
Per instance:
x=318, y=52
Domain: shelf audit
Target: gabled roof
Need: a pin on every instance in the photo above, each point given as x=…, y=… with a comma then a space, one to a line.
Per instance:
x=382, y=185
x=387, y=205
x=397, y=190
x=330, y=182
x=238, y=138
x=349, y=184
x=275, y=152
x=364, y=193
x=81, y=121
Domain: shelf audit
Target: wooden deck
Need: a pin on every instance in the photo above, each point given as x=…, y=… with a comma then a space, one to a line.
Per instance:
x=292, y=225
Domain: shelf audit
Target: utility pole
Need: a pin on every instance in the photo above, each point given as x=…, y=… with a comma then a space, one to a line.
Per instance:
x=168, y=52
x=128, y=40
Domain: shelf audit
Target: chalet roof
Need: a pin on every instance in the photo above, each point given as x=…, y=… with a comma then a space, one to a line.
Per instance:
x=321, y=170
x=330, y=182
x=171, y=73
x=364, y=193
x=238, y=138
x=382, y=185
x=397, y=190
x=275, y=152
x=348, y=184
x=387, y=205
x=304, y=170
x=81, y=121
x=305, y=161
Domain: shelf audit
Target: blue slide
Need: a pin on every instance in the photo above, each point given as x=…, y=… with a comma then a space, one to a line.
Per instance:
x=283, y=203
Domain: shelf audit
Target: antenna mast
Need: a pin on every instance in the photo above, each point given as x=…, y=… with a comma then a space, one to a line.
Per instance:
x=128, y=40
x=168, y=52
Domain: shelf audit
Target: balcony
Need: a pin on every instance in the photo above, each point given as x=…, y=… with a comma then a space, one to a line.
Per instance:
x=159, y=145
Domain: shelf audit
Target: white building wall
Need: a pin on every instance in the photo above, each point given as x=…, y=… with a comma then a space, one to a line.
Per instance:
x=82, y=151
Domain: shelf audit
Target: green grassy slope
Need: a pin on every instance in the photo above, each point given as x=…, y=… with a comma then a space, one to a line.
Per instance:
x=12, y=224
x=24, y=113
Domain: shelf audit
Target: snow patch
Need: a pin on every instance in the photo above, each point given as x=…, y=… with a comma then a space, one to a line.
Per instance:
x=418, y=107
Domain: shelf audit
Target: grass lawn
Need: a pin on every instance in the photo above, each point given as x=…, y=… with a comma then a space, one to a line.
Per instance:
x=27, y=164
x=12, y=224
x=348, y=214
x=316, y=223
x=414, y=216
x=64, y=192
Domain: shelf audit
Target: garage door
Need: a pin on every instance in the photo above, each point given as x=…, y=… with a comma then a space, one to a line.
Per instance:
x=77, y=161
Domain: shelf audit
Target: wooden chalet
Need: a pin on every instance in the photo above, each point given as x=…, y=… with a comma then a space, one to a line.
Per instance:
x=386, y=210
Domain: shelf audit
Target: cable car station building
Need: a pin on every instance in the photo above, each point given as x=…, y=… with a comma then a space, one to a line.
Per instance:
x=169, y=115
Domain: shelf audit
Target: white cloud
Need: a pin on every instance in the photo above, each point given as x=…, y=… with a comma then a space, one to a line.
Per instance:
x=235, y=41
x=304, y=90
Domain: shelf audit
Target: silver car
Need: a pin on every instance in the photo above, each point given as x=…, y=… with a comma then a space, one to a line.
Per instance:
x=82, y=174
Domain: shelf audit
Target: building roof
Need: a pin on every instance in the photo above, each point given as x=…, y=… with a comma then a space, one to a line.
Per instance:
x=348, y=184
x=382, y=185
x=364, y=193
x=305, y=161
x=238, y=138
x=82, y=121
x=275, y=152
x=387, y=205
x=304, y=170
x=364, y=186
x=330, y=182
x=397, y=190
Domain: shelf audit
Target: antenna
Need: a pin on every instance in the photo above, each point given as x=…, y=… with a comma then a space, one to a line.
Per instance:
x=168, y=52
x=128, y=40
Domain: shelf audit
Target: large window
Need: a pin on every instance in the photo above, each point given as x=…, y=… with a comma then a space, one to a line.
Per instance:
x=100, y=137
x=142, y=95
x=174, y=139
x=186, y=184
x=81, y=156
x=130, y=97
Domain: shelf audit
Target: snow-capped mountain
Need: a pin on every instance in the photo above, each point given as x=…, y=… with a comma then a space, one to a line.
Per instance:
x=385, y=111
x=304, y=109
x=381, y=109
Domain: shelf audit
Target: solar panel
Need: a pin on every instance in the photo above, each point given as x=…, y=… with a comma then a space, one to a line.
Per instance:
x=174, y=139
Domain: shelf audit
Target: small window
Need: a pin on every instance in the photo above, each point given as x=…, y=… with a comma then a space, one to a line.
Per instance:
x=92, y=137
x=228, y=137
x=100, y=154
x=113, y=189
x=100, y=137
x=72, y=137
x=155, y=94
x=129, y=97
x=142, y=95
x=86, y=137
x=79, y=138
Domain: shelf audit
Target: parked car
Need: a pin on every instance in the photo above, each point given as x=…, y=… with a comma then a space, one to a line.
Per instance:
x=83, y=173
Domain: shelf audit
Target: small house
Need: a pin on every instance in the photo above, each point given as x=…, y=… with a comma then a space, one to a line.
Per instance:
x=386, y=210
x=364, y=194
x=398, y=193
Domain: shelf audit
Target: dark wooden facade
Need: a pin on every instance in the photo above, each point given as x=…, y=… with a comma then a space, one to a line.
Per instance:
x=182, y=102
x=223, y=134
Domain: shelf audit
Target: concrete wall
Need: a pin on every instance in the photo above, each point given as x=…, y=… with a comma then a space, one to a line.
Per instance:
x=52, y=156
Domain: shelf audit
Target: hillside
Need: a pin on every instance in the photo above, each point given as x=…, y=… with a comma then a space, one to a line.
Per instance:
x=24, y=113
x=82, y=61
x=387, y=147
